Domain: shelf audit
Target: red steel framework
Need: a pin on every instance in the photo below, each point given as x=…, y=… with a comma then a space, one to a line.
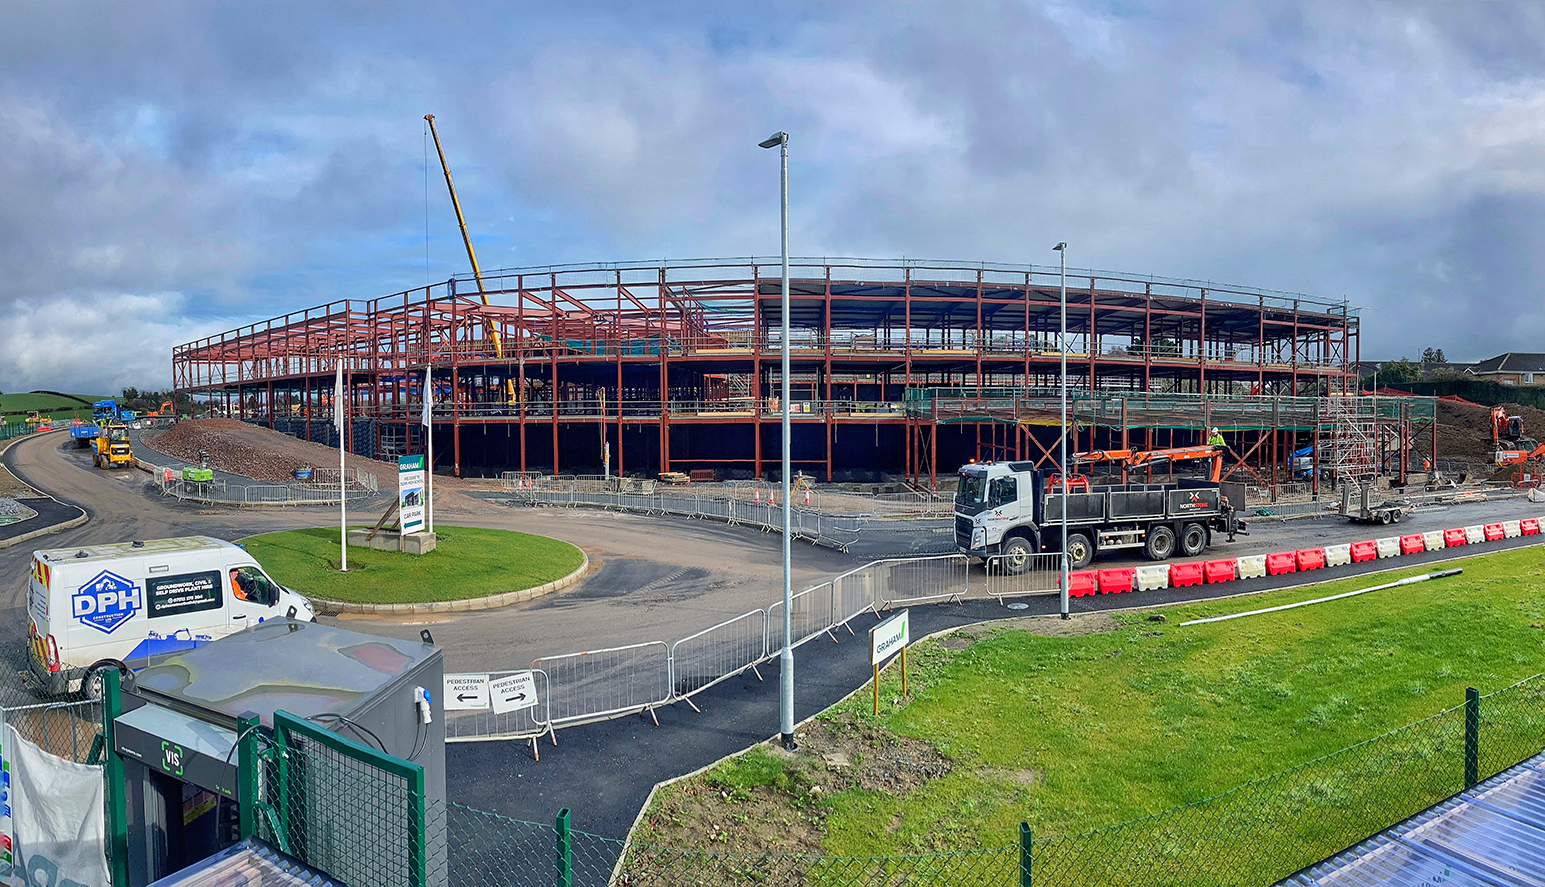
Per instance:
x=675, y=363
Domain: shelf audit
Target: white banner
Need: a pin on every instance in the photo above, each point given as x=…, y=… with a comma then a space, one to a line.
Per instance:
x=56, y=829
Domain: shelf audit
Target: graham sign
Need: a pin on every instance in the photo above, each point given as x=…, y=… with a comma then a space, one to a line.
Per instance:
x=410, y=493
x=888, y=638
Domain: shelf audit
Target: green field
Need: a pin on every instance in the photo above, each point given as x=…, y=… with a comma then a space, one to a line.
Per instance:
x=14, y=407
x=467, y=562
x=1078, y=733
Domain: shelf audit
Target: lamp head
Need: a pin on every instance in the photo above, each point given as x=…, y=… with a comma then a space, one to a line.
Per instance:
x=774, y=140
x=1060, y=247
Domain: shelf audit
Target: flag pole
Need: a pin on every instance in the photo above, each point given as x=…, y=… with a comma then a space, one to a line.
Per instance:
x=429, y=469
x=343, y=519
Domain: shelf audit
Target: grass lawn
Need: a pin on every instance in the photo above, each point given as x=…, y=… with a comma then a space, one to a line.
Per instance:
x=1077, y=733
x=14, y=407
x=467, y=562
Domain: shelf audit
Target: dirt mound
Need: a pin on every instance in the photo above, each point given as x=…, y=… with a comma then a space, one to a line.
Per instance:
x=256, y=452
x=1464, y=432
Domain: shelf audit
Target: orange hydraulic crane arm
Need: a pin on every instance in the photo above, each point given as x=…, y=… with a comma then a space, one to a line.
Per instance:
x=1129, y=459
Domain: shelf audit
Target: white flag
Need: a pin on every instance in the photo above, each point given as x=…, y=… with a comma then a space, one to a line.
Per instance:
x=429, y=398
x=338, y=402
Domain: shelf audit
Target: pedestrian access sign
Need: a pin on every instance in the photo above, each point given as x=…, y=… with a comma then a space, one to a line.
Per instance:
x=466, y=692
x=513, y=692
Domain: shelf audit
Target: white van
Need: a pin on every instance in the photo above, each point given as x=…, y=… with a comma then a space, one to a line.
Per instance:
x=123, y=603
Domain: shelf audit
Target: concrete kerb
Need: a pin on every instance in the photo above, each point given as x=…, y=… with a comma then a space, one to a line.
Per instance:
x=491, y=602
x=51, y=528
x=774, y=739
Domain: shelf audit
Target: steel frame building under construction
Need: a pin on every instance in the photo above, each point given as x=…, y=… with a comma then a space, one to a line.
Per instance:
x=899, y=367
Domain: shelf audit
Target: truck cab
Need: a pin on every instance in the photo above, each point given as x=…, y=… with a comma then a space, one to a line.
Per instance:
x=1014, y=510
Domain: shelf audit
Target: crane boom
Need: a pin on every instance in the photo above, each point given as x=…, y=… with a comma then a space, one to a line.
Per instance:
x=477, y=274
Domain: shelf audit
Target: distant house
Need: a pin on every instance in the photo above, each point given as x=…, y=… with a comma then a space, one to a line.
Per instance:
x=1512, y=368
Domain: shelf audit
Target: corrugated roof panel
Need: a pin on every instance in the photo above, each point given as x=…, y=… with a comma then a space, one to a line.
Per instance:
x=1490, y=836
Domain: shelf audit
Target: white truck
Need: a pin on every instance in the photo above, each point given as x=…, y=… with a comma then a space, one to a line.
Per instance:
x=124, y=603
x=1014, y=510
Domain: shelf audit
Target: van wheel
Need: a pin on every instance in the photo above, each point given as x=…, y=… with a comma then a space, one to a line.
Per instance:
x=91, y=685
x=1080, y=551
x=1193, y=540
x=1160, y=543
x=1016, y=555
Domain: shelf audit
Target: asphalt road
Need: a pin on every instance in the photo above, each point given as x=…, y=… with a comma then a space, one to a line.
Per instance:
x=653, y=578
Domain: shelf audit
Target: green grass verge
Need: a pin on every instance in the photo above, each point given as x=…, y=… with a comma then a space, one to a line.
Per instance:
x=1078, y=733
x=468, y=562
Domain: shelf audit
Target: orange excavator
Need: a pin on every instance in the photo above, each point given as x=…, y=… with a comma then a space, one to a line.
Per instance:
x=1511, y=445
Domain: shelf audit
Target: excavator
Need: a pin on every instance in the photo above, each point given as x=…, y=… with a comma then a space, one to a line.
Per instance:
x=1512, y=446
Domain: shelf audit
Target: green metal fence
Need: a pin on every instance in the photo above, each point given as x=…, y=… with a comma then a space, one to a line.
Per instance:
x=362, y=817
x=341, y=807
x=14, y=429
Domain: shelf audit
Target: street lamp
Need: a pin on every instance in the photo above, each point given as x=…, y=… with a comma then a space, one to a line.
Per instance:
x=1062, y=347
x=780, y=140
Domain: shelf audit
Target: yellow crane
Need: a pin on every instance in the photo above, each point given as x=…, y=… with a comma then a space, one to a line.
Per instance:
x=477, y=275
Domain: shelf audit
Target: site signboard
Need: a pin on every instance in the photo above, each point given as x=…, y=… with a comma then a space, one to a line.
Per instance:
x=410, y=493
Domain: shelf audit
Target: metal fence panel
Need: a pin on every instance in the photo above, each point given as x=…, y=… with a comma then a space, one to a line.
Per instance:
x=701, y=660
x=810, y=614
x=1042, y=574
x=598, y=684
x=526, y=723
x=921, y=579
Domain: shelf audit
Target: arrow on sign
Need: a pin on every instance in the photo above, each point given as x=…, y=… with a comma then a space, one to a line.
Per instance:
x=466, y=692
x=513, y=692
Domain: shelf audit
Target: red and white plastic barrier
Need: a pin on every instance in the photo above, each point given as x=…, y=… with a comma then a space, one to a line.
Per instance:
x=1220, y=570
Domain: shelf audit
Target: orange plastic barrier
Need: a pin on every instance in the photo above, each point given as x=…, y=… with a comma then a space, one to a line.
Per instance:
x=1185, y=574
x=1082, y=583
x=1312, y=558
x=1115, y=581
x=1364, y=551
x=1529, y=526
x=1494, y=532
x=1281, y=562
x=1219, y=570
x=1412, y=544
x=1454, y=537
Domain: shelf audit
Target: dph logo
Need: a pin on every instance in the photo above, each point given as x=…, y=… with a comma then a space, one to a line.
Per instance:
x=107, y=601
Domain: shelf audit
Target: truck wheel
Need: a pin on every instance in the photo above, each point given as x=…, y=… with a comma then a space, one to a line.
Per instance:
x=1080, y=551
x=1016, y=555
x=1193, y=540
x=1160, y=544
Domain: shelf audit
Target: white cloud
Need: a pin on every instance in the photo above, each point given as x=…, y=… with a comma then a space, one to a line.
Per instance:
x=95, y=343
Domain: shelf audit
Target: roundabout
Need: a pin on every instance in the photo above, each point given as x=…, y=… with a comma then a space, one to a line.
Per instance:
x=472, y=568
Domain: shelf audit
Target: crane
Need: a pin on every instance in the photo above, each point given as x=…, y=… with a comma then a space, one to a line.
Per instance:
x=477, y=275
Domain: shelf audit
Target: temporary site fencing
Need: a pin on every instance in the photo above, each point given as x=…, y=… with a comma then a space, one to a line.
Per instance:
x=320, y=489
x=576, y=688
x=825, y=517
x=365, y=817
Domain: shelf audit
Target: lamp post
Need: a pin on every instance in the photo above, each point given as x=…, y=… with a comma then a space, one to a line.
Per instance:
x=1062, y=450
x=780, y=140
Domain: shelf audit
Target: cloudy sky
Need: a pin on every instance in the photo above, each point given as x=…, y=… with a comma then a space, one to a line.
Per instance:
x=170, y=170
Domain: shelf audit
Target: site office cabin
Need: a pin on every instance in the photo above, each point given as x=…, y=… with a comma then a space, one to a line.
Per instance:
x=124, y=603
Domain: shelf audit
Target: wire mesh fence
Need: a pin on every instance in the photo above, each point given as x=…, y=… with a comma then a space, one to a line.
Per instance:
x=359, y=815
x=71, y=730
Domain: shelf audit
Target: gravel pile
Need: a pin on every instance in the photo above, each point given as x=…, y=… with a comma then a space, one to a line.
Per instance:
x=257, y=452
